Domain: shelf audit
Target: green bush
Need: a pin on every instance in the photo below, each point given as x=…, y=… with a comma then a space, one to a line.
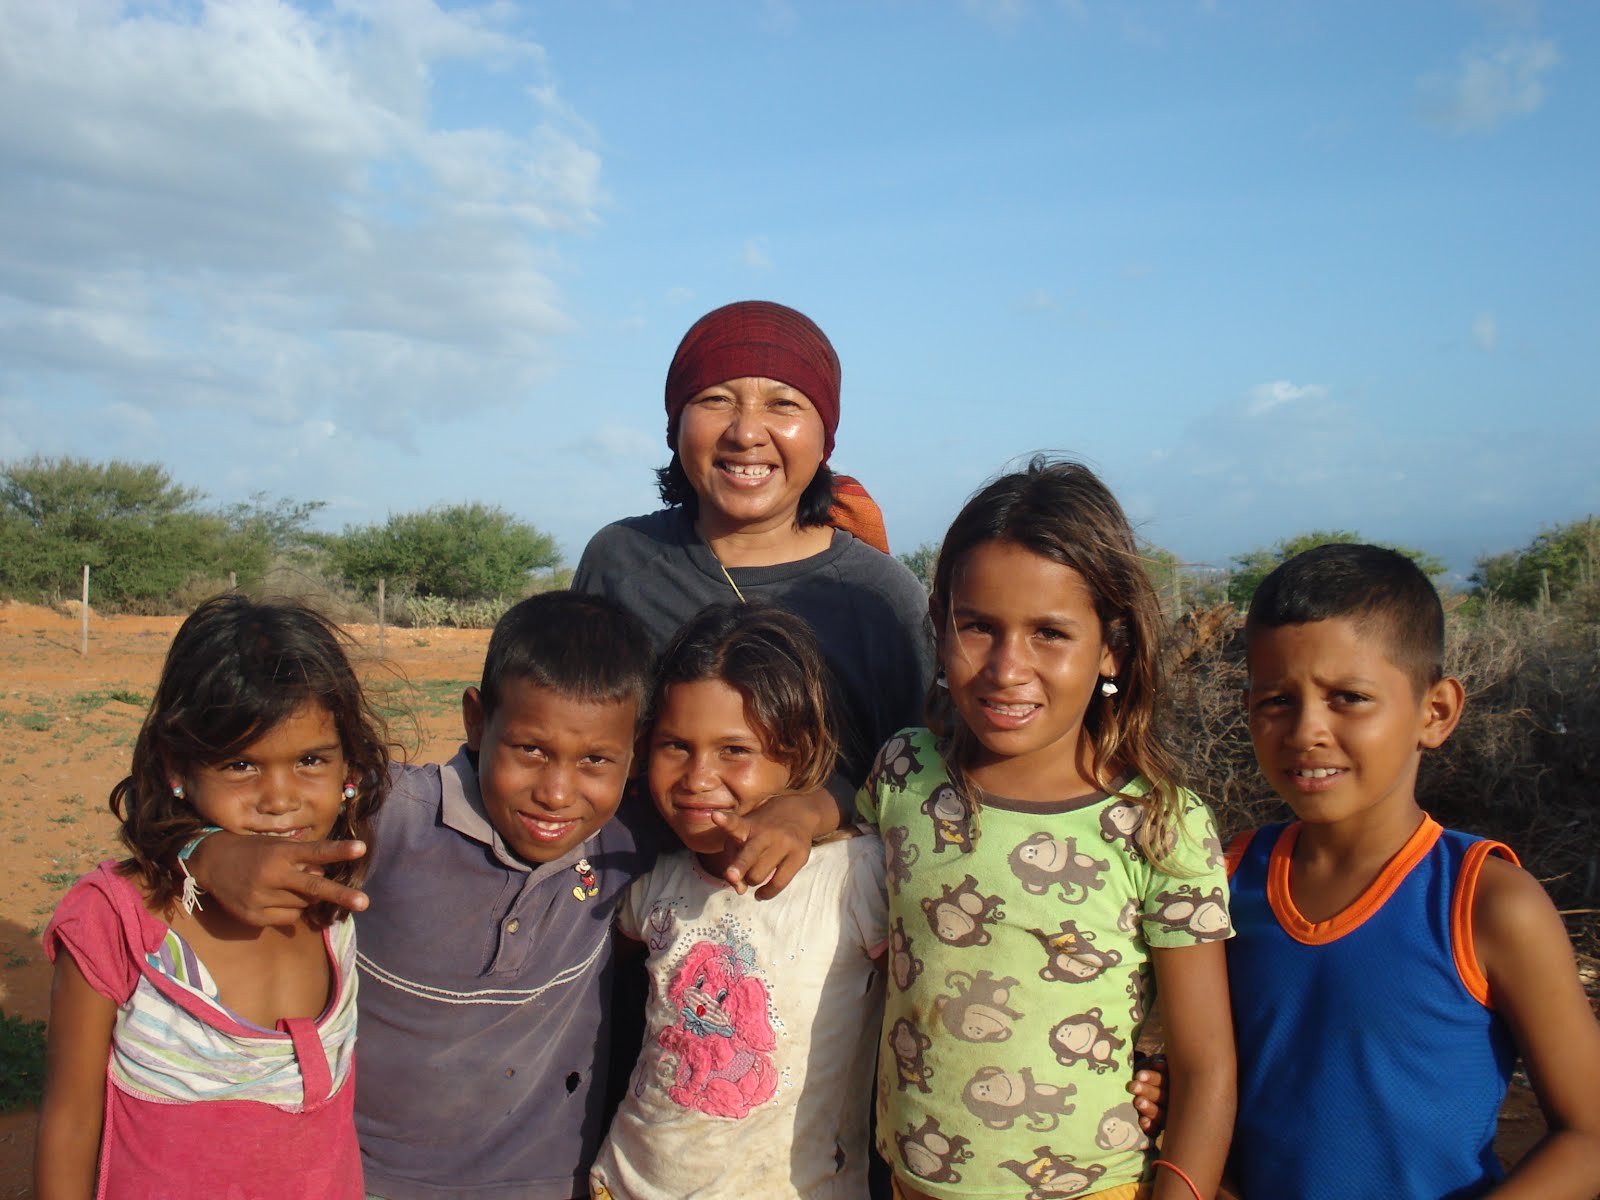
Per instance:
x=1560, y=562
x=143, y=537
x=1251, y=568
x=459, y=552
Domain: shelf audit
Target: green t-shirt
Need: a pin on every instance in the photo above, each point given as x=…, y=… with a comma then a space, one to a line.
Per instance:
x=1019, y=976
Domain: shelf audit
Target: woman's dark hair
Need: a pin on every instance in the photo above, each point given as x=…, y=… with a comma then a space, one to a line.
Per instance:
x=235, y=670
x=770, y=657
x=816, y=502
x=1061, y=511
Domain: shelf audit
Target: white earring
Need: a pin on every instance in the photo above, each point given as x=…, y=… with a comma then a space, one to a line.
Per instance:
x=177, y=791
x=1108, y=687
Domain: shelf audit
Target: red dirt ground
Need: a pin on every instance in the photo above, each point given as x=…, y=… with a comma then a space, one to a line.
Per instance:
x=68, y=723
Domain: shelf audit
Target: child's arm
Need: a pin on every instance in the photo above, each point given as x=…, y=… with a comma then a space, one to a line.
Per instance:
x=268, y=881
x=776, y=838
x=1523, y=949
x=67, y=1152
x=1192, y=983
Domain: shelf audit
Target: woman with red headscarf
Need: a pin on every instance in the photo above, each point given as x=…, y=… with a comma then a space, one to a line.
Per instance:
x=754, y=512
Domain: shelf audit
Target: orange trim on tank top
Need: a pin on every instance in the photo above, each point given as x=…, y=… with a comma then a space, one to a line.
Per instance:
x=1235, y=852
x=1462, y=947
x=1364, y=906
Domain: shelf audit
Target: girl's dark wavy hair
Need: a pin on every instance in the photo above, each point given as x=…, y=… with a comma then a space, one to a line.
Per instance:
x=235, y=669
x=1061, y=511
x=771, y=658
x=675, y=490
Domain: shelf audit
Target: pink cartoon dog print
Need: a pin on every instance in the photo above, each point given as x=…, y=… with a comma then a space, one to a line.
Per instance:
x=720, y=1048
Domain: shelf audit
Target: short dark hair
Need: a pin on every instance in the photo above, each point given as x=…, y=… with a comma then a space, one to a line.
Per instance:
x=579, y=646
x=771, y=658
x=816, y=502
x=1377, y=588
x=235, y=669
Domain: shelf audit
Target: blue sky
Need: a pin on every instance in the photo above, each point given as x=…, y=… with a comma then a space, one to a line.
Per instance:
x=1268, y=266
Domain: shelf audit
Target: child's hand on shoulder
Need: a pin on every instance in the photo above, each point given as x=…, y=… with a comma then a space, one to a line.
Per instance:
x=774, y=841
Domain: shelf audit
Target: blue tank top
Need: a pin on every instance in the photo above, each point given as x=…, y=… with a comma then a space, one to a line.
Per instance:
x=1370, y=1064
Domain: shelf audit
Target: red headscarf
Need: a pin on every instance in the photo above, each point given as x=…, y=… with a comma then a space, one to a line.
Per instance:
x=756, y=338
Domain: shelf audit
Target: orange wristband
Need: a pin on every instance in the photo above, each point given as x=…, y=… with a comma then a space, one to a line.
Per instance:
x=1181, y=1174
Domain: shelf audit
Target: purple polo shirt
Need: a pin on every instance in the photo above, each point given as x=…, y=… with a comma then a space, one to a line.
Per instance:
x=485, y=996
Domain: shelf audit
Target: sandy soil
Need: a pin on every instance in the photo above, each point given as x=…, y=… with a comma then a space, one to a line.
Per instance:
x=68, y=722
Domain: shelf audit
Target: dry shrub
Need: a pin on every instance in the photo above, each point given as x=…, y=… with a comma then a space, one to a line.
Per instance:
x=1524, y=764
x=1523, y=767
x=290, y=580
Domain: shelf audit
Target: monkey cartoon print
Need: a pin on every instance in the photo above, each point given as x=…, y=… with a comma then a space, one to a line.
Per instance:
x=1020, y=975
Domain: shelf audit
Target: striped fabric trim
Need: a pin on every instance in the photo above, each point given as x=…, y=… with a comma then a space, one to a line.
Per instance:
x=175, y=1043
x=507, y=996
x=176, y=959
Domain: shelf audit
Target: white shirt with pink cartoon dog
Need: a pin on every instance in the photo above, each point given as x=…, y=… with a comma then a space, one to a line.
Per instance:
x=756, y=1073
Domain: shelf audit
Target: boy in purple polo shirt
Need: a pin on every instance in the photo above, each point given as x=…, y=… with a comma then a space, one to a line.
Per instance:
x=486, y=950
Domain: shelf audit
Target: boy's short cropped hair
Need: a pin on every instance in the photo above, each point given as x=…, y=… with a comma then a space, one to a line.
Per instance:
x=1369, y=585
x=582, y=647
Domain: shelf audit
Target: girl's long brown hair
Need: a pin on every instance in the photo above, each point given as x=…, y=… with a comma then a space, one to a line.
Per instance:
x=1061, y=511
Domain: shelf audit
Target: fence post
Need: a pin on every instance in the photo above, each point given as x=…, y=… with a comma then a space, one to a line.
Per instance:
x=381, y=648
x=83, y=645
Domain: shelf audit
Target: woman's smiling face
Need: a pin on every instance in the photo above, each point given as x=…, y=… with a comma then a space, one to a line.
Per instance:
x=750, y=447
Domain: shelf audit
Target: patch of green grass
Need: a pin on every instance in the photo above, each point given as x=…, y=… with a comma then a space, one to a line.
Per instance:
x=73, y=798
x=89, y=701
x=60, y=878
x=37, y=721
x=65, y=819
x=16, y=958
x=431, y=696
x=21, y=1062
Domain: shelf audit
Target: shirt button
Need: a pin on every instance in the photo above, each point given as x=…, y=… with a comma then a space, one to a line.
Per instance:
x=513, y=925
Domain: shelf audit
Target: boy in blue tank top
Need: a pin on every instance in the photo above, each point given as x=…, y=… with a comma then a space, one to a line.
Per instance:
x=1387, y=972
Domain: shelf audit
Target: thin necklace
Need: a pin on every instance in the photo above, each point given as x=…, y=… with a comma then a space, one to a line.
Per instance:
x=706, y=542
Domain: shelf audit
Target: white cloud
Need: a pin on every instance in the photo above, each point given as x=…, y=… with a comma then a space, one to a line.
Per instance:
x=1485, y=331
x=243, y=204
x=1037, y=300
x=754, y=254
x=1265, y=397
x=1489, y=88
